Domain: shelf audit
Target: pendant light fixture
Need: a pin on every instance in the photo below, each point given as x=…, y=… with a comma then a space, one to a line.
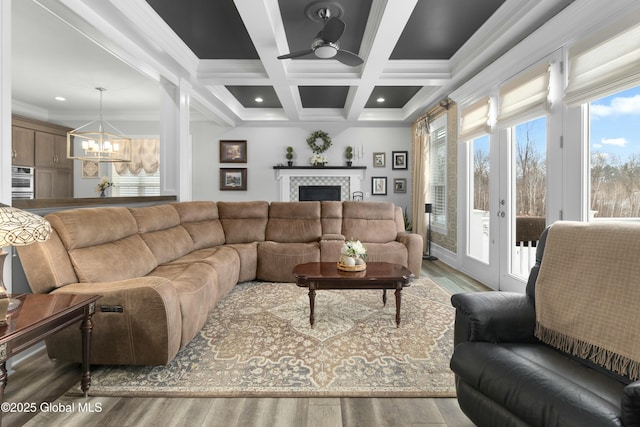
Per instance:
x=98, y=141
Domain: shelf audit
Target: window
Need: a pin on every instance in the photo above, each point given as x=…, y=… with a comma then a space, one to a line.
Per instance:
x=439, y=173
x=614, y=148
x=129, y=185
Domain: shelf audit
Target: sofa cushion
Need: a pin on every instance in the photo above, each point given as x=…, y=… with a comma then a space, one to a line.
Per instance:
x=196, y=286
x=159, y=226
x=47, y=264
x=331, y=217
x=276, y=260
x=79, y=228
x=118, y=260
x=224, y=260
x=153, y=218
x=243, y=222
x=202, y=222
x=394, y=252
x=369, y=221
x=294, y=222
x=538, y=384
x=248, y=254
x=167, y=245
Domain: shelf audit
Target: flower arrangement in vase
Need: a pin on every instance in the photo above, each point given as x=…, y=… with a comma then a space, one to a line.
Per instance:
x=102, y=186
x=352, y=256
x=318, y=160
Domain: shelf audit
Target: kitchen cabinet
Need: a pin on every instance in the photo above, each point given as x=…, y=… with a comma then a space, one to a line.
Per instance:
x=22, y=146
x=43, y=145
x=51, y=151
x=53, y=183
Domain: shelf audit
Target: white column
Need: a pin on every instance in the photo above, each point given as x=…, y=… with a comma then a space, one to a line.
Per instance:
x=5, y=103
x=175, y=142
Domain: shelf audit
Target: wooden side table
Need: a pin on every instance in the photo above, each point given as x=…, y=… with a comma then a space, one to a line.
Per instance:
x=42, y=315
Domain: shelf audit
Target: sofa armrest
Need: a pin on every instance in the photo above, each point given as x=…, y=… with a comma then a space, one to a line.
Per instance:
x=145, y=328
x=631, y=405
x=414, y=245
x=494, y=317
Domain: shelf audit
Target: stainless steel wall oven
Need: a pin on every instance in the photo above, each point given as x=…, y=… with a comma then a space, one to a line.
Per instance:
x=22, y=182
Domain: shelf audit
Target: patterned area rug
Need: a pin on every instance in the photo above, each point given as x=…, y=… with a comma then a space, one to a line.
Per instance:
x=258, y=342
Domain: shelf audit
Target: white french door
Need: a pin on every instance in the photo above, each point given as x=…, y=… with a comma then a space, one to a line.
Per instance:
x=506, y=203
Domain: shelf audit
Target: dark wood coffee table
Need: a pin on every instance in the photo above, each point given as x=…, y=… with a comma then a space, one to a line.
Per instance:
x=42, y=315
x=378, y=275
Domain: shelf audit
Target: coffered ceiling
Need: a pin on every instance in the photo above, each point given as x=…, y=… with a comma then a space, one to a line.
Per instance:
x=414, y=53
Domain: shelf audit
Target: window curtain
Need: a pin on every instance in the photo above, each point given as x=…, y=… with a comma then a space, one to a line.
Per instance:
x=475, y=120
x=599, y=68
x=420, y=176
x=145, y=155
x=525, y=94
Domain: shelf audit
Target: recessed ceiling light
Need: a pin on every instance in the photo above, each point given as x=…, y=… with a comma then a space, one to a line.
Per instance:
x=258, y=99
x=380, y=100
x=60, y=98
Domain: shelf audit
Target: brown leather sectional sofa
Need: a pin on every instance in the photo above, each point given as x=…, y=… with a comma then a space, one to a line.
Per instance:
x=162, y=269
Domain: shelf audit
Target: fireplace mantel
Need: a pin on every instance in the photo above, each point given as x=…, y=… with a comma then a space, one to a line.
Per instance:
x=348, y=177
x=319, y=167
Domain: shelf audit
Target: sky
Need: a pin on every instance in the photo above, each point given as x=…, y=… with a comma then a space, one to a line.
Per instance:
x=615, y=124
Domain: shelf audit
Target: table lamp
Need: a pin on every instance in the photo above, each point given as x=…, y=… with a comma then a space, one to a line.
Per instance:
x=17, y=228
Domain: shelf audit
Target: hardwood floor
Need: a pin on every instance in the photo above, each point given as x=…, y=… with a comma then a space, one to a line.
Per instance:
x=44, y=383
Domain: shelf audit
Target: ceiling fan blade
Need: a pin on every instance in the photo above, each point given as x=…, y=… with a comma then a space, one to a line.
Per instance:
x=296, y=54
x=332, y=30
x=348, y=58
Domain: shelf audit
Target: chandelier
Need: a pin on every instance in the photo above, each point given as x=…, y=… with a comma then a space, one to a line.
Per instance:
x=98, y=141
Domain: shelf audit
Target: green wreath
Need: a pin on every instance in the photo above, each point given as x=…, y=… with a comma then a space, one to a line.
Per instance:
x=319, y=148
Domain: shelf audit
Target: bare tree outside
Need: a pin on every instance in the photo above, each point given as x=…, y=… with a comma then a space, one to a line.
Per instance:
x=615, y=186
x=481, y=179
x=531, y=170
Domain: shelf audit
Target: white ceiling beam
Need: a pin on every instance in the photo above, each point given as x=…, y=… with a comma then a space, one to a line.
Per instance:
x=385, y=24
x=266, y=30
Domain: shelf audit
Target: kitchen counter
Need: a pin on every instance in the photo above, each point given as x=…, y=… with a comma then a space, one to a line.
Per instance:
x=68, y=203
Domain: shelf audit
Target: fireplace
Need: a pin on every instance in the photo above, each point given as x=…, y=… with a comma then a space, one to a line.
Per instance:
x=348, y=179
x=319, y=192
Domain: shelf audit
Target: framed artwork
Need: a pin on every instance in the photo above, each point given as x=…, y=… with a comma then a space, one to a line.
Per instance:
x=379, y=185
x=399, y=159
x=233, y=151
x=90, y=169
x=379, y=160
x=399, y=185
x=233, y=179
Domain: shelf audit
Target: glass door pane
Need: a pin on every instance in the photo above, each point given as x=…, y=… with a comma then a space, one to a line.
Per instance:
x=478, y=237
x=529, y=201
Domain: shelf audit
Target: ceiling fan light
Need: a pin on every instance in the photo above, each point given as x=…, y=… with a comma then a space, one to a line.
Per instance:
x=325, y=51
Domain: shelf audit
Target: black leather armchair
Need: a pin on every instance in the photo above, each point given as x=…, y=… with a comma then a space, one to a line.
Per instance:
x=506, y=377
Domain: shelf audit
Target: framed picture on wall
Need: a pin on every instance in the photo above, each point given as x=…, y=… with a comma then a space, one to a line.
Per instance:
x=233, y=179
x=399, y=159
x=90, y=169
x=379, y=160
x=233, y=151
x=399, y=185
x=379, y=185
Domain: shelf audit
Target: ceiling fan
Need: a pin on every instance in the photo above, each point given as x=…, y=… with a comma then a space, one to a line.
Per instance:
x=325, y=45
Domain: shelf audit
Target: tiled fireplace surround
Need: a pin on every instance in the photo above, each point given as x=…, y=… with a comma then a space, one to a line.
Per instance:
x=290, y=179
